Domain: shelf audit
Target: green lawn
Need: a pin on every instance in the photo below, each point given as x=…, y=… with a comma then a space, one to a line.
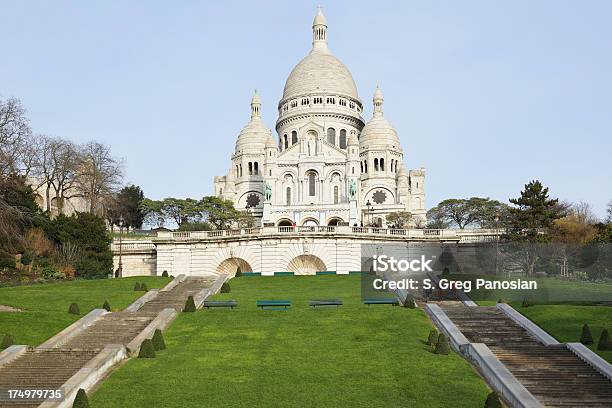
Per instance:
x=351, y=356
x=45, y=307
x=564, y=322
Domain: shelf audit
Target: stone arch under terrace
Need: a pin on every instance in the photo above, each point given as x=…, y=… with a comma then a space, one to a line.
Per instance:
x=231, y=265
x=306, y=265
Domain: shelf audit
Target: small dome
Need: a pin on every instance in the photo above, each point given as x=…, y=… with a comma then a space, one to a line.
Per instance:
x=378, y=130
x=402, y=173
x=319, y=18
x=254, y=135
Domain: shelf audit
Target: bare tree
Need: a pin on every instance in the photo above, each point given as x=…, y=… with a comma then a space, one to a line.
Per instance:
x=14, y=127
x=66, y=162
x=100, y=174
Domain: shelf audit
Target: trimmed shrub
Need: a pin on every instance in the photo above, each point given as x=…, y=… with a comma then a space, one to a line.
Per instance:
x=433, y=337
x=238, y=273
x=165, y=274
x=526, y=303
x=442, y=346
x=146, y=349
x=409, y=302
x=143, y=287
x=586, y=337
x=493, y=401
x=106, y=306
x=7, y=341
x=74, y=309
x=26, y=259
x=189, y=305
x=81, y=400
x=137, y=287
x=445, y=271
x=225, y=288
x=158, y=340
x=604, y=341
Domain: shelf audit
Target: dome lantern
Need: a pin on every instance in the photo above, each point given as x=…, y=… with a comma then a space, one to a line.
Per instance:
x=255, y=106
x=319, y=32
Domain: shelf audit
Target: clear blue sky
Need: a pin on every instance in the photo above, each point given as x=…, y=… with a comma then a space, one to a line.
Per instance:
x=485, y=95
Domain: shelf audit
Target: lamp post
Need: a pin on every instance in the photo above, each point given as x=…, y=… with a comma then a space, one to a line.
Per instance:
x=496, y=241
x=120, y=267
x=368, y=205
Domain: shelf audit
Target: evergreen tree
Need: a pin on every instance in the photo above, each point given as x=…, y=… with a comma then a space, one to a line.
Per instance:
x=158, y=340
x=604, y=343
x=238, y=273
x=81, y=400
x=225, y=288
x=189, y=305
x=106, y=306
x=146, y=349
x=534, y=213
x=433, y=337
x=442, y=346
x=586, y=337
x=493, y=401
x=74, y=309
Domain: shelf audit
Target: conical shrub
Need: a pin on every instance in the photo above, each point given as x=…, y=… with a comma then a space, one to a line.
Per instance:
x=225, y=288
x=81, y=400
x=158, y=340
x=143, y=287
x=165, y=274
x=74, y=309
x=7, y=341
x=433, y=337
x=146, y=349
x=493, y=401
x=106, y=306
x=238, y=273
x=604, y=341
x=137, y=287
x=409, y=302
x=189, y=305
x=442, y=346
x=526, y=303
x=586, y=337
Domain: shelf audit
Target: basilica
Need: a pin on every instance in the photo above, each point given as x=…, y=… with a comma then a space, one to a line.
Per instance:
x=328, y=166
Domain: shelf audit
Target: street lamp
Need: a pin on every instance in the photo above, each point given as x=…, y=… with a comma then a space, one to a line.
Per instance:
x=120, y=268
x=496, y=241
x=368, y=205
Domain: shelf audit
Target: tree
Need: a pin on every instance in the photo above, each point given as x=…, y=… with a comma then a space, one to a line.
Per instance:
x=153, y=212
x=14, y=127
x=609, y=213
x=436, y=219
x=181, y=211
x=219, y=212
x=462, y=212
x=534, y=214
x=399, y=219
x=65, y=162
x=127, y=205
x=100, y=174
x=18, y=209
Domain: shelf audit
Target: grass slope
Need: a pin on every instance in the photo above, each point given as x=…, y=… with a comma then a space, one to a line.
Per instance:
x=45, y=307
x=564, y=322
x=351, y=356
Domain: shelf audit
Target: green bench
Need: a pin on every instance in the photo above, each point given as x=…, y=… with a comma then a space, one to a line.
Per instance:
x=220, y=303
x=326, y=302
x=273, y=304
x=381, y=301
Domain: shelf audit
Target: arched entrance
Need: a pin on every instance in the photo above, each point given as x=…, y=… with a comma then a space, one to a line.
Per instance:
x=231, y=265
x=306, y=265
x=285, y=222
x=310, y=222
x=334, y=221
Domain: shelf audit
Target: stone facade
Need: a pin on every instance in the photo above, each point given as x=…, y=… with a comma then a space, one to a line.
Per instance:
x=327, y=165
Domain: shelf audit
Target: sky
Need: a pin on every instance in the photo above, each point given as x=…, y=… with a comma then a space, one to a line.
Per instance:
x=485, y=95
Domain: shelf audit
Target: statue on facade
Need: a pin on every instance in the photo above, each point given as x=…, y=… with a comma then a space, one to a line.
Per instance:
x=352, y=189
x=267, y=191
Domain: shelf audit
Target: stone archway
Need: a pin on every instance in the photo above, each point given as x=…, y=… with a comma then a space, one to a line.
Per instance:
x=306, y=265
x=310, y=222
x=334, y=221
x=231, y=265
x=285, y=222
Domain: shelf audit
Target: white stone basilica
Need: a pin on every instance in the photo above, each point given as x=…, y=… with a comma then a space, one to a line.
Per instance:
x=329, y=167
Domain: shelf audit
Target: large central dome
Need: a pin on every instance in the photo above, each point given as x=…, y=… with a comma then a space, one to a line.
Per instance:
x=320, y=71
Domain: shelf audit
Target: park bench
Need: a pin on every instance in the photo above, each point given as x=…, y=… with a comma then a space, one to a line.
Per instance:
x=273, y=303
x=381, y=301
x=326, y=302
x=220, y=303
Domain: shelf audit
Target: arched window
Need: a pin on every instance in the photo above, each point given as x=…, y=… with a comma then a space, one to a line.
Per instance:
x=362, y=167
x=336, y=195
x=288, y=196
x=375, y=164
x=365, y=165
x=286, y=141
x=331, y=136
x=391, y=168
x=382, y=164
x=250, y=169
x=343, y=138
x=293, y=137
x=237, y=172
x=255, y=168
x=240, y=170
x=312, y=183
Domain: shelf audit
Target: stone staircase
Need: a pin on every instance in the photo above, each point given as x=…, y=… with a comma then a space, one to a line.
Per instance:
x=51, y=368
x=43, y=369
x=553, y=374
